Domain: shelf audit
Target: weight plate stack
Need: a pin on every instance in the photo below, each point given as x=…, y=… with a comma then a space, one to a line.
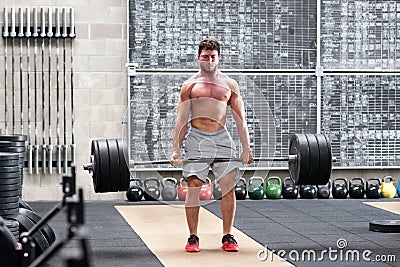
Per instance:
x=15, y=144
x=39, y=238
x=46, y=230
x=313, y=162
x=110, y=171
x=9, y=183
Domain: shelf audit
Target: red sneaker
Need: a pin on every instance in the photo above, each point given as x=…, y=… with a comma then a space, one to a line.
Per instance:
x=192, y=244
x=229, y=243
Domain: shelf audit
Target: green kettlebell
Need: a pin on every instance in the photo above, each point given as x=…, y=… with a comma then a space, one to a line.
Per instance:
x=273, y=190
x=256, y=189
x=388, y=188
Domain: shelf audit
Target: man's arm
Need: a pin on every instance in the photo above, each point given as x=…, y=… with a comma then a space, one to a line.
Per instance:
x=181, y=124
x=237, y=106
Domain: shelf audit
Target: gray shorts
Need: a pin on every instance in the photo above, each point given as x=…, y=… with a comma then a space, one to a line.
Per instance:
x=200, y=144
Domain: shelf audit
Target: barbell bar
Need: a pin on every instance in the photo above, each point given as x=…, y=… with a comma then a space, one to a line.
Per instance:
x=159, y=162
x=309, y=162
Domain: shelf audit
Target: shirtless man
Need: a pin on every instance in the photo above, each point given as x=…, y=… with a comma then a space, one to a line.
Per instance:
x=205, y=97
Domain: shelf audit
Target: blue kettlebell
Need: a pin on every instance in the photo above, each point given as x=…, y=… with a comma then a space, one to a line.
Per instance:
x=398, y=187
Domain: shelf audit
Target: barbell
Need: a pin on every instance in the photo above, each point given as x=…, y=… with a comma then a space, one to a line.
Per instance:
x=309, y=162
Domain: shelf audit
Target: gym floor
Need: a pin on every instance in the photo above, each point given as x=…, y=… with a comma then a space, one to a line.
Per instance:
x=304, y=232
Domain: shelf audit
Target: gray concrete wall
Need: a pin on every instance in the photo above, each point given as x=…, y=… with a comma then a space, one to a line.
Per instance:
x=99, y=83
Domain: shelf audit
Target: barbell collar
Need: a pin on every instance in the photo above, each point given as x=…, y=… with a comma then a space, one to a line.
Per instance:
x=88, y=167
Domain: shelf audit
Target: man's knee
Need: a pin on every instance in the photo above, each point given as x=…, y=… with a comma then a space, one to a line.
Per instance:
x=194, y=181
x=227, y=183
x=193, y=194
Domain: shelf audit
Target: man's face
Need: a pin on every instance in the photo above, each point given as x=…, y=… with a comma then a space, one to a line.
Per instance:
x=208, y=60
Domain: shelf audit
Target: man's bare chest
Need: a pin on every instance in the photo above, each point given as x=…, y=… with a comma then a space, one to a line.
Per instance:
x=209, y=90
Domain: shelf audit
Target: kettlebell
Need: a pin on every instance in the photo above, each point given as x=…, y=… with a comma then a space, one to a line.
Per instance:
x=241, y=189
x=324, y=191
x=135, y=191
x=289, y=189
x=273, y=190
x=398, y=187
x=308, y=191
x=206, y=190
x=182, y=189
x=151, y=191
x=169, y=189
x=256, y=189
x=373, y=190
x=356, y=190
x=340, y=189
x=217, y=191
x=388, y=189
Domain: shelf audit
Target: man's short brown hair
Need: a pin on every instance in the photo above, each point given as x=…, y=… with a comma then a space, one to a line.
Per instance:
x=209, y=44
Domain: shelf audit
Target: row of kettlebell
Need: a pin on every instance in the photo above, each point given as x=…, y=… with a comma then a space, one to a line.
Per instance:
x=341, y=188
x=168, y=189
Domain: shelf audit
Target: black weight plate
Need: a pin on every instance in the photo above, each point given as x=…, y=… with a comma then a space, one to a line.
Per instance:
x=13, y=137
x=11, y=224
x=8, y=156
x=123, y=167
x=24, y=204
x=11, y=144
x=113, y=154
x=385, y=226
x=9, y=206
x=299, y=169
x=96, y=166
x=25, y=224
x=325, y=159
x=35, y=218
x=314, y=159
x=10, y=175
x=9, y=163
x=14, y=168
x=9, y=187
x=6, y=194
x=15, y=149
x=104, y=163
x=6, y=181
x=8, y=252
x=6, y=213
x=4, y=200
